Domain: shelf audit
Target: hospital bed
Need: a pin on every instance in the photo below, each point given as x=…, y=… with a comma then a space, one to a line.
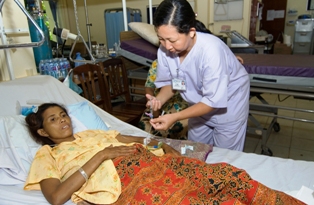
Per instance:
x=283, y=75
x=275, y=74
x=17, y=150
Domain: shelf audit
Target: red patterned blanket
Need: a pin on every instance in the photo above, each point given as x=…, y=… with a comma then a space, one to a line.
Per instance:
x=147, y=179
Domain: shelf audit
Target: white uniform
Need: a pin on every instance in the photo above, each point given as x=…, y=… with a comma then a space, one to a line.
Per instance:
x=216, y=78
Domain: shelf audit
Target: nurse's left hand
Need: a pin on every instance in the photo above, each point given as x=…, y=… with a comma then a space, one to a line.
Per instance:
x=162, y=122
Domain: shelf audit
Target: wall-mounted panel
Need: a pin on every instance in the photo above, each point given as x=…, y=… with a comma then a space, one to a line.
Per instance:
x=226, y=10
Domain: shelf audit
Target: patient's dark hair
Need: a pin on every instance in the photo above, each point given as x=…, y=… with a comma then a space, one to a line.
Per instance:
x=35, y=121
x=179, y=14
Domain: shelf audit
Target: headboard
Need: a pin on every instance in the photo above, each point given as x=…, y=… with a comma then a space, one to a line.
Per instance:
x=128, y=35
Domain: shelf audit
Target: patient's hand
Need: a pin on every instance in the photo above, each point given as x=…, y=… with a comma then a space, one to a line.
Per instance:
x=118, y=151
x=84, y=203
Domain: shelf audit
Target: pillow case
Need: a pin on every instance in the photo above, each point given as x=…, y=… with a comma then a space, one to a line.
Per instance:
x=83, y=116
x=146, y=31
x=17, y=150
x=86, y=115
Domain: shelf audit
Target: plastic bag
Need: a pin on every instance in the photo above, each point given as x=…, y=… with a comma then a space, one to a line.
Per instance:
x=68, y=81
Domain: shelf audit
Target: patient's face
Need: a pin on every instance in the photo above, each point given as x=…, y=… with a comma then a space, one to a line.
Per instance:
x=57, y=125
x=174, y=41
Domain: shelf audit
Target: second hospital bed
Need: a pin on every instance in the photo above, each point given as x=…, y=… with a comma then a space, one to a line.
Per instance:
x=283, y=75
x=290, y=75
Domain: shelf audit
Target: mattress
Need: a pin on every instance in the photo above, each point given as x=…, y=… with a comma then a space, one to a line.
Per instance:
x=279, y=65
x=286, y=72
x=140, y=47
x=139, y=50
x=276, y=65
x=281, y=174
x=282, y=72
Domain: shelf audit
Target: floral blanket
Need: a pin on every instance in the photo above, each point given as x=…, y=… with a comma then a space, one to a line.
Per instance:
x=147, y=179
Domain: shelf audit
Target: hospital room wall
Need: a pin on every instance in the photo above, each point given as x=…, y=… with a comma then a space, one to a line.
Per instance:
x=21, y=59
x=96, y=8
x=300, y=6
x=204, y=9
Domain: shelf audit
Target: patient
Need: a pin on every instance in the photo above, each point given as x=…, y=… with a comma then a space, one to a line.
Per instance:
x=104, y=167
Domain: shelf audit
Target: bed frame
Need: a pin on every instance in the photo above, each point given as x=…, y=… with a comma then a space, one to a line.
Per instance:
x=289, y=75
x=136, y=65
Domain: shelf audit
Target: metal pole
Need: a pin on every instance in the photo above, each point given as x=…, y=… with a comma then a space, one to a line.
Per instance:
x=6, y=51
x=79, y=36
x=88, y=26
x=150, y=12
x=6, y=46
x=25, y=45
x=125, y=15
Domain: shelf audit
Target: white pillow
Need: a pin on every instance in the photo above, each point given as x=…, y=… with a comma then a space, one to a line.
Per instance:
x=17, y=150
x=146, y=31
x=85, y=114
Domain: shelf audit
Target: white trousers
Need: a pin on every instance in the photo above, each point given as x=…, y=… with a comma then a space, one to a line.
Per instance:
x=229, y=135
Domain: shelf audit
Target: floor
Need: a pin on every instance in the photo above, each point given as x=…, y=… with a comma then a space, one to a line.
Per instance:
x=295, y=139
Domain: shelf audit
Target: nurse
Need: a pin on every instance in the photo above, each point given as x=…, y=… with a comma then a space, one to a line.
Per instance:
x=205, y=72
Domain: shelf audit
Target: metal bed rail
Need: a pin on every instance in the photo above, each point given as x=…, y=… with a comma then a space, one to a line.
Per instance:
x=265, y=109
x=6, y=46
x=21, y=45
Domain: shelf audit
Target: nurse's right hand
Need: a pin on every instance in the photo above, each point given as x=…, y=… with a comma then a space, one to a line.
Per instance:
x=163, y=122
x=153, y=102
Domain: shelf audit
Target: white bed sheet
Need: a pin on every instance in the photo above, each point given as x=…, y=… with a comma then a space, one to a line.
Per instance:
x=281, y=174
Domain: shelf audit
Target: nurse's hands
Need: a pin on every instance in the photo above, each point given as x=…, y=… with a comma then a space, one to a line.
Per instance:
x=163, y=122
x=153, y=102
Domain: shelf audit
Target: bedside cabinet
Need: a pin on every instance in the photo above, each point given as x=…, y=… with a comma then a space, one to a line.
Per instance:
x=303, y=36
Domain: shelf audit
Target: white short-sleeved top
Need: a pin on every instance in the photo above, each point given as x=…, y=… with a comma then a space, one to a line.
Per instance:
x=212, y=73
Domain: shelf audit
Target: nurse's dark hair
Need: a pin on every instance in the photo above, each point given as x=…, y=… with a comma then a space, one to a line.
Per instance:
x=34, y=121
x=179, y=14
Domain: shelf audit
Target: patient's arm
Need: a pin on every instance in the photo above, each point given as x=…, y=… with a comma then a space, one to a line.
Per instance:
x=129, y=139
x=58, y=193
x=84, y=203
